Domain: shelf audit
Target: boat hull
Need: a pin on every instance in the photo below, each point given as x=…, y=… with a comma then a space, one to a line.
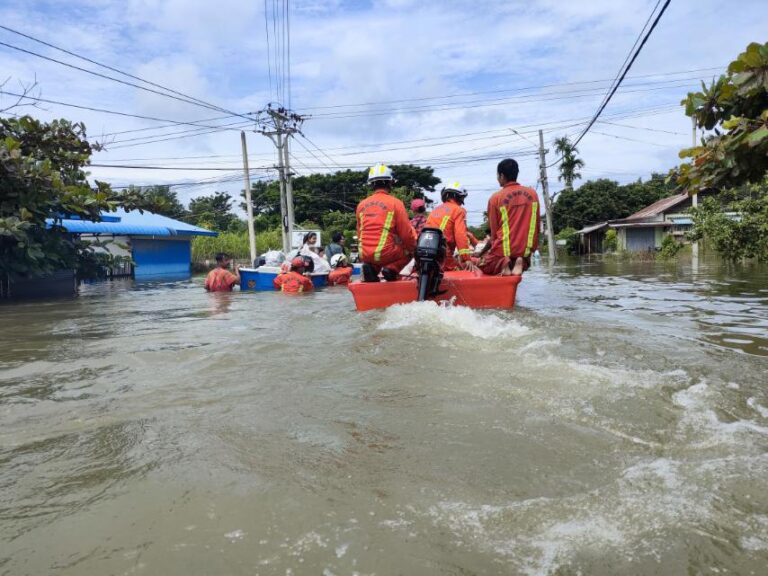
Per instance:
x=460, y=288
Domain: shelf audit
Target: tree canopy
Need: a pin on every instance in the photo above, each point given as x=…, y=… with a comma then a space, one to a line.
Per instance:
x=213, y=212
x=316, y=195
x=42, y=177
x=600, y=200
x=735, y=108
x=570, y=164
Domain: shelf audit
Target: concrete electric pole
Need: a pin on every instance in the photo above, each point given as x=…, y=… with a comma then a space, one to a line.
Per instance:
x=248, y=200
x=279, y=125
x=547, y=199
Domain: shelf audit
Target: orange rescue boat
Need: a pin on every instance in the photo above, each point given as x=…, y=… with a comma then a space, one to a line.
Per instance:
x=462, y=288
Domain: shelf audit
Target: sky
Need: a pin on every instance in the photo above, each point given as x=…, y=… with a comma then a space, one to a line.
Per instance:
x=456, y=84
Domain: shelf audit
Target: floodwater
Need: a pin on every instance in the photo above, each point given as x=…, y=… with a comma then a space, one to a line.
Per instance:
x=615, y=423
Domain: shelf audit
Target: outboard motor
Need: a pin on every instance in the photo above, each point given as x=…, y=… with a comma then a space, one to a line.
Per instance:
x=430, y=255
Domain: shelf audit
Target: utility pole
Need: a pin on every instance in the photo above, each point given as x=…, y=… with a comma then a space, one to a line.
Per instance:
x=279, y=125
x=547, y=199
x=248, y=201
x=694, y=199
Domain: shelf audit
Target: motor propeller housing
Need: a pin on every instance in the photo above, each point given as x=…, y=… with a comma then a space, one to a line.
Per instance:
x=430, y=255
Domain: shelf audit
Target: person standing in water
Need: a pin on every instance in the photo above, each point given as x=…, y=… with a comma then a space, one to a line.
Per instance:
x=220, y=279
x=515, y=219
x=342, y=271
x=293, y=281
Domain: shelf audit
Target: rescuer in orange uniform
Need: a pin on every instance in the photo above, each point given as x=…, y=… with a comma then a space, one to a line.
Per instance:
x=515, y=219
x=220, y=279
x=385, y=235
x=342, y=271
x=451, y=218
x=293, y=281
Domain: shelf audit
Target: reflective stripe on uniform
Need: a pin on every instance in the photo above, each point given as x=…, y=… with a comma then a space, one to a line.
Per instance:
x=360, y=234
x=444, y=223
x=384, y=236
x=465, y=251
x=531, y=229
x=505, y=231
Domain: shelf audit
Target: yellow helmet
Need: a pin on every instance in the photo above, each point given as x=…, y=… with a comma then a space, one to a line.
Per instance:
x=380, y=172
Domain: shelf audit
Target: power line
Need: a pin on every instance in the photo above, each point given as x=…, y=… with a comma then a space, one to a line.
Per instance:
x=269, y=52
x=112, y=78
x=505, y=90
x=624, y=73
x=105, y=111
x=642, y=128
x=162, y=126
x=186, y=96
x=182, y=137
x=239, y=123
x=518, y=100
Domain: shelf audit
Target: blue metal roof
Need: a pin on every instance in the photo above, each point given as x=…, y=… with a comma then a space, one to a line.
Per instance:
x=133, y=223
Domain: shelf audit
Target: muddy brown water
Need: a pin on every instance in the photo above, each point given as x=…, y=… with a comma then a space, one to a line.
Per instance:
x=615, y=423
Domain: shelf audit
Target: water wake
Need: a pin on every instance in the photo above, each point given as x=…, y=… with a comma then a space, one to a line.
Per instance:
x=442, y=319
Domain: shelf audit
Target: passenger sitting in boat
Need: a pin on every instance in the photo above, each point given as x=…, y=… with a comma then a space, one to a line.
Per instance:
x=220, y=279
x=309, y=247
x=387, y=239
x=451, y=218
x=515, y=219
x=336, y=246
x=293, y=281
x=342, y=271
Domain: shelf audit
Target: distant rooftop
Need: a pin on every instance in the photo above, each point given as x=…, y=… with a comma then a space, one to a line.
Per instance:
x=658, y=207
x=134, y=223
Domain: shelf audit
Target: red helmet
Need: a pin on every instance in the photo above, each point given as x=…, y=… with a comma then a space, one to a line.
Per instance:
x=417, y=203
x=297, y=263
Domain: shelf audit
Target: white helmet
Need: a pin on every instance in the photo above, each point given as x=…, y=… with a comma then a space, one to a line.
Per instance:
x=337, y=260
x=456, y=189
x=380, y=172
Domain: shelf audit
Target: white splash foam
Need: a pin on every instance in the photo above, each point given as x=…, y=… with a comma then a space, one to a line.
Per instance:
x=235, y=535
x=762, y=410
x=700, y=418
x=626, y=517
x=341, y=550
x=436, y=318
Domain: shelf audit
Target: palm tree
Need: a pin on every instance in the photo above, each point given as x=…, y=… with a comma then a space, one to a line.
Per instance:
x=570, y=163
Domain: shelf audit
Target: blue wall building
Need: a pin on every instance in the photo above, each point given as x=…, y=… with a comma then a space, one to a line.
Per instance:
x=159, y=246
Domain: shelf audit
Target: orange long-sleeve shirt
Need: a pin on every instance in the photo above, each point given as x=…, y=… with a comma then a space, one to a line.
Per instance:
x=384, y=231
x=515, y=218
x=451, y=218
x=293, y=282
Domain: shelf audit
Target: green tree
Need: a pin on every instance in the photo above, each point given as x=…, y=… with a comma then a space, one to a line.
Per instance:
x=318, y=194
x=42, y=181
x=733, y=158
x=600, y=200
x=213, y=211
x=161, y=200
x=735, y=107
x=735, y=222
x=570, y=164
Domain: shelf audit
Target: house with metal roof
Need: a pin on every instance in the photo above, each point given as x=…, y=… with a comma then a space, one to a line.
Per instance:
x=645, y=229
x=159, y=246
